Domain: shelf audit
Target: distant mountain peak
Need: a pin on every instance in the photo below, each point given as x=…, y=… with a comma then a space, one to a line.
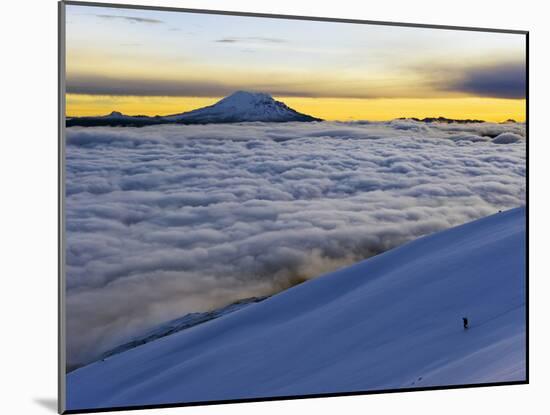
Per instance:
x=240, y=106
x=250, y=96
x=246, y=99
x=243, y=106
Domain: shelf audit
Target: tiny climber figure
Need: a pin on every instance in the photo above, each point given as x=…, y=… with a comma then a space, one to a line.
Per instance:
x=465, y=321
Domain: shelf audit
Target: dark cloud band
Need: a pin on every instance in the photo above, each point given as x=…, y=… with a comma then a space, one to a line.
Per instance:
x=497, y=81
x=95, y=85
x=505, y=80
x=130, y=19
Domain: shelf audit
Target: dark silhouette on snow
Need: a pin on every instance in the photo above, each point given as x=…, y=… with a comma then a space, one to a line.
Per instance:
x=465, y=321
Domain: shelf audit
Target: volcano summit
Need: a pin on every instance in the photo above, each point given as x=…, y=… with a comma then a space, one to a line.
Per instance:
x=241, y=106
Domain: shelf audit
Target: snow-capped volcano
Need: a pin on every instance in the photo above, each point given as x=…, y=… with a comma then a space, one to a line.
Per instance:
x=241, y=106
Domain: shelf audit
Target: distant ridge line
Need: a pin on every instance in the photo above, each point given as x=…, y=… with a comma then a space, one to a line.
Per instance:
x=240, y=106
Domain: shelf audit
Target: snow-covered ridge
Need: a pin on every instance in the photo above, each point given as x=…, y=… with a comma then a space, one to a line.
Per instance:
x=241, y=106
x=182, y=323
x=392, y=321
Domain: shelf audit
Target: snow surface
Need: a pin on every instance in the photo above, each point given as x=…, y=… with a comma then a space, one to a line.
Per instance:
x=391, y=321
x=182, y=323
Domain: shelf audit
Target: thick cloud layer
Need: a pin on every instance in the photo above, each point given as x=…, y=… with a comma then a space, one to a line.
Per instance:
x=170, y=219
x=502, y=80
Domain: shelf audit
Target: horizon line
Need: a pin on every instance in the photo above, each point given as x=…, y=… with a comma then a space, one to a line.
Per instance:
x=325, y=108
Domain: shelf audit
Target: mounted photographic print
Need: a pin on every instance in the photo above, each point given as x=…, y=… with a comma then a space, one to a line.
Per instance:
x=258, y=207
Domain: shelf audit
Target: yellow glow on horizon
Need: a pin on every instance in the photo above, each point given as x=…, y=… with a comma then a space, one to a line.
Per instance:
x=382, y=109
x=89, y=105
x=343, y=109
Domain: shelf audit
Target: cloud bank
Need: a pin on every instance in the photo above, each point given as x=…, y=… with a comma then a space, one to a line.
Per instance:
x=103, y=85
x=166, y=220
x=504, y=80
x=131, y=19
x=495, y=80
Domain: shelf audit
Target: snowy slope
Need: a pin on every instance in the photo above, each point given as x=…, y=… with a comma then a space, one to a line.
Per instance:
x=241, y=106
x=182, y=323
x=392, y=321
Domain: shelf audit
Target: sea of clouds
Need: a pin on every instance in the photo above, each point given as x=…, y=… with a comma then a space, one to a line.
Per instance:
x=166, y=220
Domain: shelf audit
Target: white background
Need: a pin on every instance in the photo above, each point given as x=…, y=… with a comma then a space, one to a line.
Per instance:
x=28, y=227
